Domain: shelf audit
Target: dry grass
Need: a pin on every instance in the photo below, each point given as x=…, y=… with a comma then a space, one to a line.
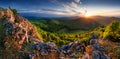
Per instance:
x=111, y=49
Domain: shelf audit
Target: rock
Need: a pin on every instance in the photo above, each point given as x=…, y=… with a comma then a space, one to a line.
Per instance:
x=62, y=58
x=52, y=47
x=44, y=52
x=45, y=48
x=66, y=51
x=86, y=56
x=98, y=47
x=1, y=14
x=118, y=44
x=96, y=55
x=93, y=41
x=94, y=36
x=10, y=15
x=99, y=55
x=73, y=48
x=95, y=50
x=36, y=40
x=17, y=29
x=32, y=56
x=34, y=47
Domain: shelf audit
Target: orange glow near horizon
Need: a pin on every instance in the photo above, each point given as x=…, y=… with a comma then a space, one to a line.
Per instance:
x=88, y=15
x=101, y=12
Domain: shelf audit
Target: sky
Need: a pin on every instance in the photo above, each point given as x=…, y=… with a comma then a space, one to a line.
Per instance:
x=60, y=8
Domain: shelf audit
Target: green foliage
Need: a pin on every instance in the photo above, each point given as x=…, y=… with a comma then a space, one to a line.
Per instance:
x=62, y=38
x=14, y=10
x=1, y=9
x=1, y=34
x=1, y=25
x=112, y=31
x=48, y=29
x=27, y=47
x=117, y=52
x=54, y=31
x=64, y=26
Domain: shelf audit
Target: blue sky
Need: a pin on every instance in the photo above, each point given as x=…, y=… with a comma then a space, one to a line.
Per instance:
x=65, y=7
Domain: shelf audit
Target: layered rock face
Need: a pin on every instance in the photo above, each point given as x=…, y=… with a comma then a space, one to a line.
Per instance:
x=17, y=28
x=50, y=51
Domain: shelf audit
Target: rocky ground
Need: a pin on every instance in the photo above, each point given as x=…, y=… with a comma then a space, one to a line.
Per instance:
x=69, y=51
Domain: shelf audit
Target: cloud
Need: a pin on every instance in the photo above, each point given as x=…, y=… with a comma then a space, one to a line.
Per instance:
x=52, y=10
x=28, y=11
x=69, y=4
x=77, y=1
x=73, y=5
x=69, y=9
x=48, y=11
x=60, y=11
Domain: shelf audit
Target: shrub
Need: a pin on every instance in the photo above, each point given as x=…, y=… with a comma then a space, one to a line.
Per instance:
x=112, y=32
x=14, y=11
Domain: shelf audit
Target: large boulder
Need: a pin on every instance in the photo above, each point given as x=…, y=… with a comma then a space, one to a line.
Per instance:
x=72, y=48
x=66, y=51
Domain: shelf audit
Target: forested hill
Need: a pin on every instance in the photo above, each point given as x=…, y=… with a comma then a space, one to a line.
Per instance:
x=72, y=25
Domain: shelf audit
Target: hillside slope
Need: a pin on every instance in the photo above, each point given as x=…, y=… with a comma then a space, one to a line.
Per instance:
x=73, y=25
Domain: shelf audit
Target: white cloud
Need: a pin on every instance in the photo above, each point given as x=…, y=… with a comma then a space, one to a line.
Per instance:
x=73, y=5
x=29, y=11
x=77, y=1
x=69, y=9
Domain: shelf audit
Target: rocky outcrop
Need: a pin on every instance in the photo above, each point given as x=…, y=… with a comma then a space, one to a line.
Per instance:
x=99, y=52
x=72, y=48
x=17, y=28
x=10, y=15
x=94, y=50
x=68, y=51
x=50, y=50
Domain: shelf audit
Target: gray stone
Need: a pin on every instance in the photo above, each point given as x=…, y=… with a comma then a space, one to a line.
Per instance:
x=94, y=36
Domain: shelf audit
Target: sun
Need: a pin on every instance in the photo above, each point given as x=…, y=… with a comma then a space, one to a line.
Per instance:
x=88, y=15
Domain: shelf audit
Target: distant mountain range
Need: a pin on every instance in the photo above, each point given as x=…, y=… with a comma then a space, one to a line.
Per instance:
x=43, y=15
x=104, y=20
x=46, y=15
x=72, y=24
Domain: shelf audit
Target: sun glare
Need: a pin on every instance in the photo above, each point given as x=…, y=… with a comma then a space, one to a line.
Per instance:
x=88, y=15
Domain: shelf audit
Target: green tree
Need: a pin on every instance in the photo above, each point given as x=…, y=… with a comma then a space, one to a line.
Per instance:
x=112, y=31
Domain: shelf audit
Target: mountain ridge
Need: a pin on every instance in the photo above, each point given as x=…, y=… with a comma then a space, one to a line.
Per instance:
x=17, y=28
